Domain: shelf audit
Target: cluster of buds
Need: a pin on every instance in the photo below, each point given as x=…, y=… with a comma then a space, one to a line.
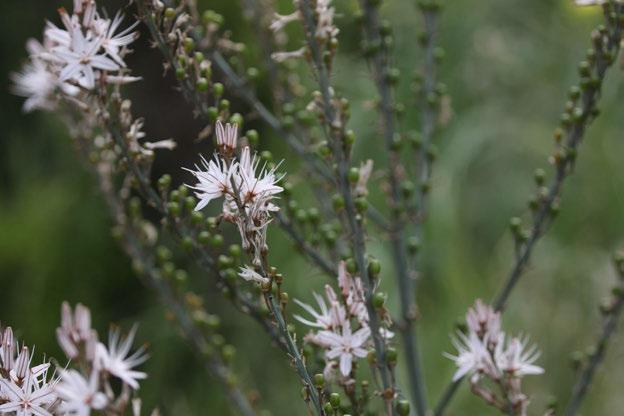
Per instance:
x=89, y=49
x=335, y=322
x=485, y=353
x=30, y=390
x=247, y=190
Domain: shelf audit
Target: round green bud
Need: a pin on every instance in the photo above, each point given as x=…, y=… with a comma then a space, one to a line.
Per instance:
x=392, y=76
x=323, y=149
x=252, y=73
x=328, y=408
x=216, y=240
x=338, y=202
x=354, y=175
x=379, y=300
x=540, y=176
x=224, y=105
x=514, y=224
x=210, y=16
x=189, y=44
x=319, y=380
x=173, y=208
x=180, y=73
x=170, y=13
x=235, y=250
x=163, y=254
x=223, y=261
x=391, y=356
x=168, y=269
x=228, y=352
x=351, y=265
x=266, y=156
x=374, y=267
x=334, y=400
x=314, y=215
x=202, y=84
x=252, y=136
x=361, y=204
x=217, y=89
x=349, y=137
x=403, y=407
x=213, y=113
x=413, y=244
x=584, y=68
x=575, y=92
x=203, y=237
x=187, y=243
x=230, y=276
x=164, y=182
x=197, y=217
x=407, y=187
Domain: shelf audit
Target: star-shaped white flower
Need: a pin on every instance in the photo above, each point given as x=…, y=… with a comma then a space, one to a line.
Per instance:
x=117, y=360
x=345, y=345
x=80, y=395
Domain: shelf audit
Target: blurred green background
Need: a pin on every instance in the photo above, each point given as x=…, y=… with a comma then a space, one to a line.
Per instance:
x=508, y=67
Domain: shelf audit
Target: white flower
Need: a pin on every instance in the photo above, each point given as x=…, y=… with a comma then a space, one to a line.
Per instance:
x=32, y=396
x=252, y=186
x=280, y=21
x=75, y=332
x=227, y=135
x=251, y=275
x=516, y=362
x=214, y=182
x=345, y=345
x=330, y=317
x=80, y=395
x=484, y=321
x=81, y=58
x=366, y=169
x=284, y=56
x=117, y=360
x=36, y=84
x=113, y=43
x=473, y=357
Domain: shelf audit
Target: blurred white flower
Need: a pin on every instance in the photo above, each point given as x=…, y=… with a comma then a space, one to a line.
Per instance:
x=214, y=181
x=251, y=275
x=515, y=360
x=473, y=358
x=79, y=395
x=117, y=360
x=332, y=316
x=32, y=396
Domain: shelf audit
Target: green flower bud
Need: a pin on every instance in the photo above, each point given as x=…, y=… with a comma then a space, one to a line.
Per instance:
x=351, y=265
x=252, y=73
x=379, y=299
x=216, y=240
x=391, y=356
x=235, y=250
x=319, y=381
x=180, y=73
x=173, y=208
x=164, y=182
x=334, y=400
x=349, y=137
x=361, y=204
x=338, y=202
x=252, y=136
x=374, y=267
x=213, y=113
x=403, y=407
x=217, y=89
x=354, y=175
x=202, y=84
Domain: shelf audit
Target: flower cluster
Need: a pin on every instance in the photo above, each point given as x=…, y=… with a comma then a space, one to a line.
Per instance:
x=247, y=188
x=335, y=321
x=88, y=48
x=29, y=390
x=485, y=352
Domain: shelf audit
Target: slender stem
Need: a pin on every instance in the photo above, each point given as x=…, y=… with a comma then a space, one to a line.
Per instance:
x=586, y=376
x=334, y=129
x=564, y=164
x=380, y=68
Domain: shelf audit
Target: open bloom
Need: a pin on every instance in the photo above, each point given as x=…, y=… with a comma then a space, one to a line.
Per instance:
x=31, y=396
x=79, y=395
x=473, y=358
x=345, y=345
x=214, y=181
x=75, y=332
x=516, y=360
x=117, y=360
x=332, y=316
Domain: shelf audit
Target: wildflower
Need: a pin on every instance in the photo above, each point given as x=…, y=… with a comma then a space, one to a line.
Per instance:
x=515, y=361
x=117, y=361
x=78, y=394
x=81, y=59
x=483, y=320
x=330, y=317
x=473, y=357
x=285, y=56
x=36, y=84
x=8, y=349
x=214, y=182
x=345, y=345
x=280, y=21
x=33, y=396
x=251, y=275
x=75, y=331
x=113, y=43
x=227, y=135
x=366, y=169
x=264, y=185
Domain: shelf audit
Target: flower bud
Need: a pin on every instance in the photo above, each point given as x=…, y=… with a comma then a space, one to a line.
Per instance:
x=351, y=265
x=354, y=175
x=379, y=299
x=403, y=407
x=391, y=356
x=319, y=381
x=217, y=89
x=334, y=400
x=374, y=267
